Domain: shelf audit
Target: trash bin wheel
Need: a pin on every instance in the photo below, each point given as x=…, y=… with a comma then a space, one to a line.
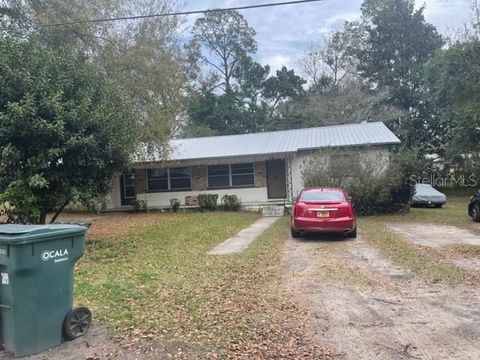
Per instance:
x=77, y=322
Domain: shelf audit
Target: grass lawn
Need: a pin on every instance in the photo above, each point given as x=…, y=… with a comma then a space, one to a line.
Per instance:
x=157, y=282
x=454, y=212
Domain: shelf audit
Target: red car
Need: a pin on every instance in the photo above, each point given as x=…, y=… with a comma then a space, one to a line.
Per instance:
x=322, y=209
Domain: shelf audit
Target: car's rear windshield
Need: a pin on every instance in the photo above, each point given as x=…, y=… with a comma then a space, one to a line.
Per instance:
x=322, y=195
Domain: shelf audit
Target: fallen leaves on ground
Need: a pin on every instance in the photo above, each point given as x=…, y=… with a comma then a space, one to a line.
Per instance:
x=152, y=282
x=115, y=223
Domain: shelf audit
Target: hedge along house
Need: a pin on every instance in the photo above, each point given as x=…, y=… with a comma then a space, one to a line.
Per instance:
x=261, y=168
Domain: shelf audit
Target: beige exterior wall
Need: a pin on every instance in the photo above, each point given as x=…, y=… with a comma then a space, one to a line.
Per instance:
x=377, y=155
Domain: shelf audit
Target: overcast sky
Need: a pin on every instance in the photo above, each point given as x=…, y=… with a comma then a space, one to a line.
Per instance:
x=285, y=32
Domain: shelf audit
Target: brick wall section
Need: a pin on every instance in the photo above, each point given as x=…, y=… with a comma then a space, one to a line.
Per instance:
x=260, y=174
x=199, y=178
x=140, y=181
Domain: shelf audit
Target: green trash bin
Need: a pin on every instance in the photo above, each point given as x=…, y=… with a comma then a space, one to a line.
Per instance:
x=36, y=289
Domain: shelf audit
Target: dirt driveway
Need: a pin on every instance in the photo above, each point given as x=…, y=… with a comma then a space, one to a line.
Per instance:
x=459, y=246
x=97, y=345
x=368, y=308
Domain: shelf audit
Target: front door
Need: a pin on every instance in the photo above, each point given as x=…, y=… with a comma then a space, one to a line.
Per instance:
x=127, y=188
x=276, y=184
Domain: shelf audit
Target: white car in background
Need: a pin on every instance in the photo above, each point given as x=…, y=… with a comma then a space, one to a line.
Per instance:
x=427, y=195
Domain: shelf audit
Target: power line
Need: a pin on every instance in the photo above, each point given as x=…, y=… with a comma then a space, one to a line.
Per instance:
x=178, y=13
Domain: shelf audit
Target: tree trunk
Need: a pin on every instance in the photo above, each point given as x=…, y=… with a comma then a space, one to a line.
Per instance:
x=43, y=217
x=58, y=212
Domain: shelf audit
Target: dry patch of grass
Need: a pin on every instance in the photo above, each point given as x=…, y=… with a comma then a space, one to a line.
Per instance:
x=334, y=269
x=105, y=225
x=341, y=271
x=461, y=250
x=156, y=282
x=426, y=263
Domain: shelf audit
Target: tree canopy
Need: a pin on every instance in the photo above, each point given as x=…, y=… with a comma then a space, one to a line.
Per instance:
x=453, y=78
x=143, y=59
x=392, y=44
x=239, y=95
x=64, y=129
x=228, y=39
x=350, y=102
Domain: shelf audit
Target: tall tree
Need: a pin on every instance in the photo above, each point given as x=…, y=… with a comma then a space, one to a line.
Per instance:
x=393, y=43
x=251, y=78
x=144, y=58
x=64, y=129
x=213, y=114
x=329, y=61
x=350, y=102
x=474, y=26
x=453, y=78
x=284, y=86
x=249, y=107
x=227, y=39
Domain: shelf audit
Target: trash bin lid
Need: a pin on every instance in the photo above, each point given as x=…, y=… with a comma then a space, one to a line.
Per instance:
x=15, y=234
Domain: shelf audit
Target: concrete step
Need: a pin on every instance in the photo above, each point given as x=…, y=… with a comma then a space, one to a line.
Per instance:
x=273, y=210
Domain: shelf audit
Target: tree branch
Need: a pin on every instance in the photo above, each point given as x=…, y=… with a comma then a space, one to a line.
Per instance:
x=59, y=211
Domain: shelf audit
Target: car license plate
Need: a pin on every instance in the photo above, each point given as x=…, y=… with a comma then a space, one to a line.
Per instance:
x=323, y=214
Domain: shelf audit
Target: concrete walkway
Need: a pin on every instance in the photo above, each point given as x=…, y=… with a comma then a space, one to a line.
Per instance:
x=244, y=238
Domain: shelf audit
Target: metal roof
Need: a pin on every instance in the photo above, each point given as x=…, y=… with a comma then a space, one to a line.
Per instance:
x=284, y=141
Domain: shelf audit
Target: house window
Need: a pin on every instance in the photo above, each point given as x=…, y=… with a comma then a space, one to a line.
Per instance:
x=129, y=186
x=180, y=178
x=235, y=175
x=157, y=179
x=169, y=179
x=218, y=176
x=242, y=174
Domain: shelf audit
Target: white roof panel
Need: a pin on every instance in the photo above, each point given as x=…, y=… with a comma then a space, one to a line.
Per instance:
x=284, y=141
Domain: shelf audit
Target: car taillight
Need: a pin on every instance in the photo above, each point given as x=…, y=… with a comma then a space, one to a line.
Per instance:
x=300, y=210
x=343, y=210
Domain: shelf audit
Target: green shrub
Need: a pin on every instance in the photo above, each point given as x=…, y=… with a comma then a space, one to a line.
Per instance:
x=175, y=204
x=23, y=208
x=139, y=205
x=231, y=202
x=377, y=183
x=208, y=201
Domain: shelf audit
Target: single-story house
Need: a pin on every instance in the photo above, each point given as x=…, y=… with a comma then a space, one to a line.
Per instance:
x=260, y=168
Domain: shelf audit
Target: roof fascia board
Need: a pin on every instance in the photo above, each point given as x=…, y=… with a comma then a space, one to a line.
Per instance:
x=353, y=146
x=214, y=160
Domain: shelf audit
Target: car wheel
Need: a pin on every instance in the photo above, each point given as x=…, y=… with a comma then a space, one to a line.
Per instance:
x=295, y=233
x=476, y=213
x=352, y=234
